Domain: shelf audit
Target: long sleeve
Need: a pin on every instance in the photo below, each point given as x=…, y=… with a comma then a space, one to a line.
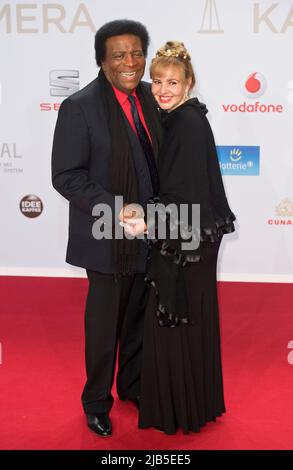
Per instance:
x=71, y=159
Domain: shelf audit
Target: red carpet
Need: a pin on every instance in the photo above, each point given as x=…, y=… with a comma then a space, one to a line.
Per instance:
x=42, y=371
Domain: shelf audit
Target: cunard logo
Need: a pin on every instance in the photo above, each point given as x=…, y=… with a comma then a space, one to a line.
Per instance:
x=210, y=23
x=284, y=211
x=285, y=208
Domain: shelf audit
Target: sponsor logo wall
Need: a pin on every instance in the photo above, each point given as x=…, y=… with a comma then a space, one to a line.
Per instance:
x=244, y=75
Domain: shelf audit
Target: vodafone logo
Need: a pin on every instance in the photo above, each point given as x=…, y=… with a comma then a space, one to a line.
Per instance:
x=254, y=85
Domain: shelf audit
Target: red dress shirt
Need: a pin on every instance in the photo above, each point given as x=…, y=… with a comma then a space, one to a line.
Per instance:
x=125, y=104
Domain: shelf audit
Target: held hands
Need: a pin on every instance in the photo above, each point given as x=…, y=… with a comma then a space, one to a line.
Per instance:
x=132, y=219
x=135, y=227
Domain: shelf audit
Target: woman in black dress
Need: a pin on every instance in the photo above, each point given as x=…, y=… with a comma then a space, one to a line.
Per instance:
x=181, y=372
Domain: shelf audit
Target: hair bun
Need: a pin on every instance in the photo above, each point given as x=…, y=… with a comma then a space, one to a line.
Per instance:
x=173, y=49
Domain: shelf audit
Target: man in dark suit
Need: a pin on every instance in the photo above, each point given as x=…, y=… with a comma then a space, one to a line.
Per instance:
x=105, y=145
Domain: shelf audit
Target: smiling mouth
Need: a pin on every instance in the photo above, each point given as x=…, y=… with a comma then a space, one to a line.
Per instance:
x=165, y=99
x=128, y=74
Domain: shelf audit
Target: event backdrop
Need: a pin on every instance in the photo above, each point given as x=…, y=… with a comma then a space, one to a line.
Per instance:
x=242, y=54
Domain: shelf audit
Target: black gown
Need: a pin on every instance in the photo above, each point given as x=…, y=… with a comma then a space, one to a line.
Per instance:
x=181, y=382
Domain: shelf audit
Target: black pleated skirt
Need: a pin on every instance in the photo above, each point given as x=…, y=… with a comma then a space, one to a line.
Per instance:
x=182, y=384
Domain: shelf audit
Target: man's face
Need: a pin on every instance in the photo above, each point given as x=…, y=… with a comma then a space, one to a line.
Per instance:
x=124, y=63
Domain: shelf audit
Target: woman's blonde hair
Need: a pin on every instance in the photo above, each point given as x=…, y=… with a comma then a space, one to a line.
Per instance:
x=174, y=53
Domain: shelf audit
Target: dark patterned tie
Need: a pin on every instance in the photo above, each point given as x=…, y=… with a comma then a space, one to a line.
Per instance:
x=146, y=145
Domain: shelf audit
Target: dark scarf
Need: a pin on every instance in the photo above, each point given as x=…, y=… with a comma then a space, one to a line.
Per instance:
x=189, y=174
x=122, y=175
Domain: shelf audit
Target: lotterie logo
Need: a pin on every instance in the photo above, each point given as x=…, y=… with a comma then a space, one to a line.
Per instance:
x=240, y=160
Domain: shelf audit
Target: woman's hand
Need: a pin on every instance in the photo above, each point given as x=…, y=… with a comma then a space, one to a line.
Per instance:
x=135, y=227
x=131, y=211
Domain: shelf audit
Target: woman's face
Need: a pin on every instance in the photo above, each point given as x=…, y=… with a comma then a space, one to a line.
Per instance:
x=169, y=86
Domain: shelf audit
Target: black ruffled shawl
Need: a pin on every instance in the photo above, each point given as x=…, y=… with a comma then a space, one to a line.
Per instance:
x=189, y=174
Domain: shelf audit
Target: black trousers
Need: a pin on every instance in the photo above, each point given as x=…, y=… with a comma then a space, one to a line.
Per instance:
x=114, y=315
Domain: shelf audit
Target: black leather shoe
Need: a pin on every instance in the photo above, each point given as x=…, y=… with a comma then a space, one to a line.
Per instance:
x=100, y=423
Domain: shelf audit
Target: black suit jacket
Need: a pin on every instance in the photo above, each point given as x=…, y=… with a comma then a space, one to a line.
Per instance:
x=80, y=168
